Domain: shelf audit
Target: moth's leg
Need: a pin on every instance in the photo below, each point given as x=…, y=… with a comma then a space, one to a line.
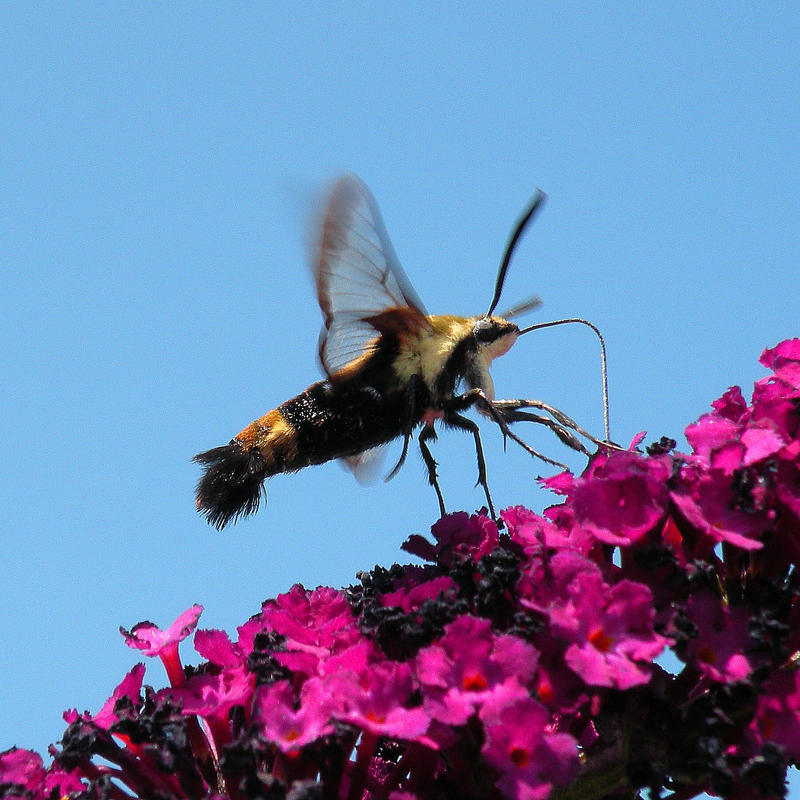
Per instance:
x=569, y=439
x=401, y=460
x=426, y=433
x=476, y=397
x=510, y=411
x=411, y=419
x=455, y=420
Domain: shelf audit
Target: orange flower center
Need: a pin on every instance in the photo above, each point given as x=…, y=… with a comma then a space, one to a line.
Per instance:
x=473, y=682
x=706, y=654
x=544, y=691
x=519, y=756
x=600, y=639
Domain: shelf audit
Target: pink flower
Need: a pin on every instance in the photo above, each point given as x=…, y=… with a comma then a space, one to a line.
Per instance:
x=528, y=758
x=719, y=649
x=774, y=405
x=715, y=437
x=60, y=783
x=312, y=624
x=23, y=776
x=561, y=483
x=21, y=768
x=411, y=593
x=777, y=716
x=735, y=436
x=610, y=630
x=761, y=439
x=784, y=361
x=707, y=502
x=318, y=621
x=456, y=535
x=467, y=665
x=535, y=533
x=216, y=647
x=377, y=700
x=547, y=581
x=153, y=641
x=561, y=690
x=731, y=405
x=214, y=694
x=288, y=723
x=637, y=439
x=623, y=498
x=355, y=659
x=129, y=687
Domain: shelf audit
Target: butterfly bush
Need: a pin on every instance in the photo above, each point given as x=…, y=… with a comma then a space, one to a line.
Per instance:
x=640, y=636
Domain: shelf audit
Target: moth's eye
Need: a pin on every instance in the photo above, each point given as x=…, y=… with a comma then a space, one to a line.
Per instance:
x=485, y=331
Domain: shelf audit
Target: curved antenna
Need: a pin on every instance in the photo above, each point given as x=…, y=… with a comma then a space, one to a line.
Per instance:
x=603, y=367
x=526, y=217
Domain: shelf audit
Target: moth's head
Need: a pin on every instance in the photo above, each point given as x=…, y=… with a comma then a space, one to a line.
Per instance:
x=494, y=336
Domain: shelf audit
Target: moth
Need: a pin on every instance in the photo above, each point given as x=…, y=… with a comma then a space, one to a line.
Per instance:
x=390, y=369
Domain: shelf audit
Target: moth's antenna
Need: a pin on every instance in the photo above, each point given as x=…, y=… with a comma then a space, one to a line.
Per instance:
x=603, y=367
x=522, y=308
x=526, y=217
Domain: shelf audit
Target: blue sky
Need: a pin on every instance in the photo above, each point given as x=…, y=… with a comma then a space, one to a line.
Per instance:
x=158, y=163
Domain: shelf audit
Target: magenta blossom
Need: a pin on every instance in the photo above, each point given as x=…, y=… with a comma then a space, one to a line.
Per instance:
x=378, y=700
x=535, y=534
x=528, y=757
x=215, y=693
x=522, y=662
x=722, y=648
x=412, y=596
x=708, y=503
x=21, y=768
x=468, y=664
x=128, y=688
x=610, y=631
x=290, y=722
x=778, y=712
x=456, y=534
x=22, y=775
x=622, y=498
x=217, y=648
x=784, y=361
x=153, y=641
x=319, y=621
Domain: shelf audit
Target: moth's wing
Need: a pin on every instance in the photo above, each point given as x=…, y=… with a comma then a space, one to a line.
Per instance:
x=366, y=466
x=357, y=274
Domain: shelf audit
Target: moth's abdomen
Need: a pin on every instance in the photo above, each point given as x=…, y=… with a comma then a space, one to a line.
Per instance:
x=231, y=485
x=334, y=422
x=232, y=482
x=322, y=423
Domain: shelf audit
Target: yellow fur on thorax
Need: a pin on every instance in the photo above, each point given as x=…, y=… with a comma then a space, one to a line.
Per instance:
x=425, y=351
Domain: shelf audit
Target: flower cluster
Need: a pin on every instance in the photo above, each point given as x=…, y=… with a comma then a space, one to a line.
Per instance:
x=521, y=661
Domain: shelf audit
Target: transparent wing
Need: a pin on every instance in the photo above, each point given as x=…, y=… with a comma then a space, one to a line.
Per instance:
x=357, y=274
x=366, y=466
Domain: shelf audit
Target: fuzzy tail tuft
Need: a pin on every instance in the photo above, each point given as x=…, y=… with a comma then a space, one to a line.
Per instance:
x=231, y=486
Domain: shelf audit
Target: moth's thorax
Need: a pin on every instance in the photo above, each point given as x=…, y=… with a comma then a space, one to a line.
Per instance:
x=427, y=351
